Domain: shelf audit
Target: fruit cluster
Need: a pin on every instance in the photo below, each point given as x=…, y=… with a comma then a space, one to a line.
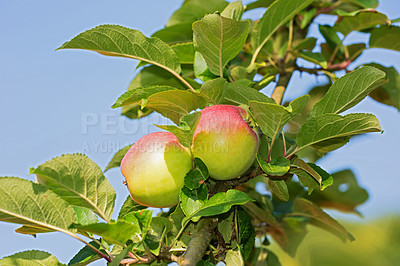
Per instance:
x=156, y=165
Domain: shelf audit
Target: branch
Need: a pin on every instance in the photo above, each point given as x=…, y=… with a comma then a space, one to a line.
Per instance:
x=283, y=81
x=223, y=186
x=199, y=242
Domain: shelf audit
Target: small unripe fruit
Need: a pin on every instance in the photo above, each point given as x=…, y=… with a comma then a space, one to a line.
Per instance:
x=224, y=141
x=155, y=168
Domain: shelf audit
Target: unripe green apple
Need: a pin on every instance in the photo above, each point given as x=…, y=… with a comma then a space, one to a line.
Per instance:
x=224, y=141
x=155, y=168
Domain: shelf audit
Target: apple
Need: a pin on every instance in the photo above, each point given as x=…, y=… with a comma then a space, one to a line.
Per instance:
x=155, y=168
x=224, y=141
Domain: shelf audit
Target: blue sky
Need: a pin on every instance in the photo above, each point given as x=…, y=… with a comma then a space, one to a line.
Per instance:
x=47, y=98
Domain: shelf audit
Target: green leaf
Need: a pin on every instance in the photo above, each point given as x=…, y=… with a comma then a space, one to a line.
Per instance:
x=306, y=44
x=246, y=232
x=240, y=73
x=388, y=93
x=234, y=10
x=193, y=10
x=226, y=225
x=129, y=206
x=79, y=181
x=196, y=177
x=319, y=218
x=299, y=163
x=30, y=258
x=278, y=14
x=386, y=37
x=185, y=52
x=191, y=201
x=279, y=188
x=327, y=179
x=345, y=194
x=361, y=21
x=272, y=117
x=86, y=255
x=114, y=40
x=236, y=93
x=219, y=40
x=278, y=166
x=85, y=216
x=330, y=126
x=332, y=39
x=306, y=17
x=184, y=133
x=155, y=76
x=24, y=202
x=139, y=94
x=204, y=263
x=141, y=218
x=331, y=144
x=272, y=259
x=175, y=34
x=116, y=261
x=305, y=179
x=315, y=58
x=117, y=158
x=32, y=230
x=234, y=258
x=364, y=3
x=214, y=90
x=175, y=104
x=116, y=232
x=355, y=50
x=220, y=203
x=159, y=228
x=349, y=90
x=201, y=69
x=258, y=4
x=134, y=111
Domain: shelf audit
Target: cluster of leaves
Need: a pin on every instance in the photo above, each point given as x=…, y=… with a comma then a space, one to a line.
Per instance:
x=207, y=54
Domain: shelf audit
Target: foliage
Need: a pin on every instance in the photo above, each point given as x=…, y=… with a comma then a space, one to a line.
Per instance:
x=206, y=55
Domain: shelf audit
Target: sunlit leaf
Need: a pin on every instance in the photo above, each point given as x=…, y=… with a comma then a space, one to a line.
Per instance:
x=114, y=40
x=30, y=258
x=219, y=40
x=79, y=181
x=349, y=90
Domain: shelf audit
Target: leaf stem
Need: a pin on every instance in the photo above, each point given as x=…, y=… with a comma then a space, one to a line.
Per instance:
x=335, y=52
x=183, y=81
x=284, y=144
x=89, y=245
x=101, y=245
x=293, y=153
x=180, y=233
x=290, y=40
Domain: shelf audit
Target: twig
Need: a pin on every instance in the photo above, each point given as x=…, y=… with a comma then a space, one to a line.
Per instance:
x=279, y=91
x=223, y=186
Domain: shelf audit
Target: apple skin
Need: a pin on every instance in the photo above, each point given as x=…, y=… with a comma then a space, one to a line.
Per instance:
x=155, y=168
x=224, y=141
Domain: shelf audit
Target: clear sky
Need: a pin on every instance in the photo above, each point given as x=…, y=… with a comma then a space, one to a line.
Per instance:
x=47, y=98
